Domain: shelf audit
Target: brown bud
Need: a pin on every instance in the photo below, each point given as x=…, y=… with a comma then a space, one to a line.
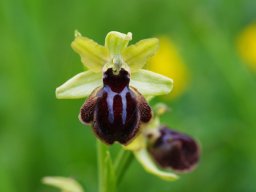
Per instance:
x=174, y=150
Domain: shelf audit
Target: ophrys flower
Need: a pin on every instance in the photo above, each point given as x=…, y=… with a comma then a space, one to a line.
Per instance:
x=116, y=85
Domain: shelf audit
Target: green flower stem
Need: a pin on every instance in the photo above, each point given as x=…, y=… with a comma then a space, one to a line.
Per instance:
x=122, y=163
x=102, y=153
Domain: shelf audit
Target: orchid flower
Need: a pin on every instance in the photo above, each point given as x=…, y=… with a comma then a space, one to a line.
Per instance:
x=115, y=84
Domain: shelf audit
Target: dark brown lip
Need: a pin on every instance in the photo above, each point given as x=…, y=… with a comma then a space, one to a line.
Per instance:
x=116, y=110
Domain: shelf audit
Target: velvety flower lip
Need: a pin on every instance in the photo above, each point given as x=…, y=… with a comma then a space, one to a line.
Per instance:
x=116, y=110
x=174, y=150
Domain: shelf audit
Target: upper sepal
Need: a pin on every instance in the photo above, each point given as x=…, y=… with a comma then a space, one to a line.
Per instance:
x=116, y=42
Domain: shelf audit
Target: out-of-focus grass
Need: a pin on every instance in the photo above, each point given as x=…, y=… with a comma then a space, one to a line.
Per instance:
x=41, y=136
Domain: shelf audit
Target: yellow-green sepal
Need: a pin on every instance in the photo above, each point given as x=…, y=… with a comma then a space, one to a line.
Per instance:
x=63, y=183
x=137, y=55
x=116, y=42
x=144, y=158
x=79, y=86
x=93, y=55
x=138, y=143
x=151, y=84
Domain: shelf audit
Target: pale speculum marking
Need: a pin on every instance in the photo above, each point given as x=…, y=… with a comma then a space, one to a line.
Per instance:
x=110, y=101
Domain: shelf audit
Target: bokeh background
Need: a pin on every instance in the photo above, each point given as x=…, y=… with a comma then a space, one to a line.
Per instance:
x=214, y=98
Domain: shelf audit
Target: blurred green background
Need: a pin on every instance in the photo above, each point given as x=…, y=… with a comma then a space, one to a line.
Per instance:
x=40, y=135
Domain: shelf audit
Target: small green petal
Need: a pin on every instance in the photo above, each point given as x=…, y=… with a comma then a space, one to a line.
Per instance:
x=79, y=86
x=137, y=55
x=116, y=42
x=144, y=158
x=63, y=183
x=151, y=84
x=93, y=55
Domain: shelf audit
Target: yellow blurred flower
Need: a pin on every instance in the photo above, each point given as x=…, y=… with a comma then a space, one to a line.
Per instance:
x=168, y=62
x=247, y=45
